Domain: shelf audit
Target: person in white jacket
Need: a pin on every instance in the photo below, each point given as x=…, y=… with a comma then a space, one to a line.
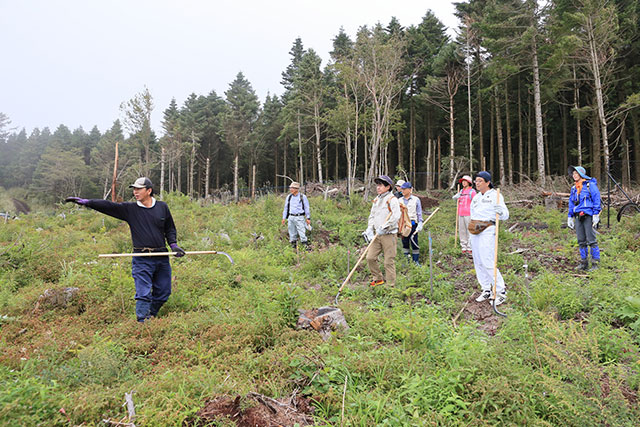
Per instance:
x=484, y=207
x=383, y=221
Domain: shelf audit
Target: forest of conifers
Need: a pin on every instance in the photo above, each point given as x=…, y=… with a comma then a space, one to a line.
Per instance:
x=524, y=90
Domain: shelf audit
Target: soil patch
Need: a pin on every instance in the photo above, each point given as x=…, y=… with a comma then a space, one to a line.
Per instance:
x=482, y=312
x=428, y=202
x=254, y=410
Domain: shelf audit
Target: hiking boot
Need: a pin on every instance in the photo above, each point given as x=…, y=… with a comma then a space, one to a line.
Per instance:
x=375, y=283
x=294, y=244
x=502, y=297
x=485, y=295
x=594, y=264
x=583, y=266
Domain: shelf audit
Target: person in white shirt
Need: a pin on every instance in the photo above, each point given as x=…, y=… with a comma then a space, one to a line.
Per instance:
x=383, y=221
x=484, y=207
x=297, y=213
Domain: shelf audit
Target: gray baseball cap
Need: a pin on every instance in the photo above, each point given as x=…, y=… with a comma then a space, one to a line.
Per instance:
x=142, y=182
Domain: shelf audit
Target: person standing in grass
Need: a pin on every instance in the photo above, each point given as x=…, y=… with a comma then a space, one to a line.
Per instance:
x=584, y=204
x=398, y=192
x=296, y=211
x=464, y=198
x=150, y=223
x=410, y=243
x=383, y=221
x=483, y=211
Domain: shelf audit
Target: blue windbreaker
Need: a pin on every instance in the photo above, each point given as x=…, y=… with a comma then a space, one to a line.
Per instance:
x=588, y=201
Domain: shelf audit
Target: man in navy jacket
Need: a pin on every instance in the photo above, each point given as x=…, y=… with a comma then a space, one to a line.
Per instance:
x=151, y=223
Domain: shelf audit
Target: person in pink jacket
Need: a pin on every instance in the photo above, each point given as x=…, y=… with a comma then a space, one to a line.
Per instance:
x=464, y=198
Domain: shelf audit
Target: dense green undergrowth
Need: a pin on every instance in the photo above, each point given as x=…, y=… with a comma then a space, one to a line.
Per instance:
x=567, y=354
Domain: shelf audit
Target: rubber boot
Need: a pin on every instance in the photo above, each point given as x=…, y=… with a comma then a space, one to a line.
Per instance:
x=584, y=265
x=294, y=244
x=416, y=258
x=595, y=256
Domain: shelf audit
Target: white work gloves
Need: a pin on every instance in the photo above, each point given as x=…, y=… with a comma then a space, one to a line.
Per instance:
x=379, y=230
x=596, y=220
x=571, y=223
x=457, y=195
x=499, y=210
x=368, y=234
x=420, y=226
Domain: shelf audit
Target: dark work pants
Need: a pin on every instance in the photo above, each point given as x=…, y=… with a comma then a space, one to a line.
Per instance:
x=586, y=237
x=152, y=276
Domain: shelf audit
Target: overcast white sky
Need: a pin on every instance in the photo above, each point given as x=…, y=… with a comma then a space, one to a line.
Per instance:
x=74, y=62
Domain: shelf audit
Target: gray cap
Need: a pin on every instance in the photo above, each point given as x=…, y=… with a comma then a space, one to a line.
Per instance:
x=142, y=182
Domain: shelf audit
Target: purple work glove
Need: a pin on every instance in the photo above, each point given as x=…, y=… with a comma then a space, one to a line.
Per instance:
x=77, y=200
x=177, y=249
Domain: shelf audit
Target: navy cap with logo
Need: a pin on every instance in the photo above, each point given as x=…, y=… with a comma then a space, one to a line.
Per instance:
x=486, y=176
x=406, y=185
x=142, y=182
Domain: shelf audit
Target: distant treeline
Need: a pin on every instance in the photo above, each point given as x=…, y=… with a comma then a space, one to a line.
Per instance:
x=524, y=91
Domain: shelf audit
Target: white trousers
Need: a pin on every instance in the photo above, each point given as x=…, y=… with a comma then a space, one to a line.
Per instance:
x=463, y=232
x=483, y=246
x=296, y=228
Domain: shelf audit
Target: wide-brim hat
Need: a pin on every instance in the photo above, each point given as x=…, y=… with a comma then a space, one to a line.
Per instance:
x=581, y=171
x=142, y=182
x=294, y=184
x=385, y=180
x=466, y=178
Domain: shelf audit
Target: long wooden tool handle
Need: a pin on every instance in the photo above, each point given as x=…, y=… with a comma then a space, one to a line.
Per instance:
x=362, y=256
x=432, y=214
x=455, y=236
x=495, y=252
x=145, y=254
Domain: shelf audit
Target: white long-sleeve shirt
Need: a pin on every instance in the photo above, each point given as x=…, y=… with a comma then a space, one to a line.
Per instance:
x=483, y=206
x=380, y=210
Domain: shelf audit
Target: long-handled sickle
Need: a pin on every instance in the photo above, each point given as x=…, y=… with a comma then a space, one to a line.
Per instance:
x=495, y=263
x=145, y=254
x=358, y=262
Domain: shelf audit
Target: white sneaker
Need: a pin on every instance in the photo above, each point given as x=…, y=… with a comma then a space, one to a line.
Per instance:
x=501, y=298
x=485, y=295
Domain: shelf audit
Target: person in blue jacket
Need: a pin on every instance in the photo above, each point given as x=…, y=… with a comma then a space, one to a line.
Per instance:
x=584, y=215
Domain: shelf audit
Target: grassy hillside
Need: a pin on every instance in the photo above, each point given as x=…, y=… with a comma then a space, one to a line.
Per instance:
x=567, y=354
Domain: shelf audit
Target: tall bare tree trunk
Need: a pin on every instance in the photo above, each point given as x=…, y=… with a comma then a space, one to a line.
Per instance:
x=520, y=141
x=636, y=144
x=503, y=178
x=595, y=68
x=482, y=161
x=626, y=166
x=576, y=105
x=301, y=171
x=316, y=126
x=162, y=162
x=236, y=159
x=565, y=150
x=537, y=103
x=452, y=153
x=492, y=148
x=508, y=126
x=439, y=180
x=207, y=179
x=596, y=147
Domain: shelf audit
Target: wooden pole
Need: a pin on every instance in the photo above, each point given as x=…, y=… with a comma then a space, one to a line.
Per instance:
x=455, y=237
x=115, y=174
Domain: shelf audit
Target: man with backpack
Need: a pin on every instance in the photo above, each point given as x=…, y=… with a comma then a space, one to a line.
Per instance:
x=413, y=208
x=297, y=213
x=383, y=223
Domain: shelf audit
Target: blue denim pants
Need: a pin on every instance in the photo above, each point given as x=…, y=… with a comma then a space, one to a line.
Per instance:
x=152, y=277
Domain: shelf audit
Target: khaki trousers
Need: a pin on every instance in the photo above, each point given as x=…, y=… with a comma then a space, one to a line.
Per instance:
x=388, y=245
